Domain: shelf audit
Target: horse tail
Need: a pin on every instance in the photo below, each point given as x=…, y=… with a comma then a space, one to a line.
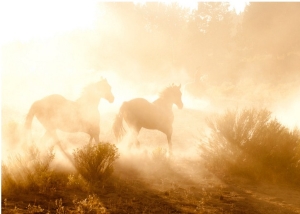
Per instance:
x=30, y=116
x=118, y=127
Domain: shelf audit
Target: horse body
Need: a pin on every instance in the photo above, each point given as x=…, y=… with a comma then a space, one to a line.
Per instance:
x=140, y=113
x=56, y=112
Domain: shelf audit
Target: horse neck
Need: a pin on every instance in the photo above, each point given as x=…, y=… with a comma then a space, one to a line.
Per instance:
x=164, y=103
x=88, y=101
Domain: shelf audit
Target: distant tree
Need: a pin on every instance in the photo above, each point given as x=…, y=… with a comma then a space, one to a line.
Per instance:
x=268, y=41
x=271, y=28
x=211, y=38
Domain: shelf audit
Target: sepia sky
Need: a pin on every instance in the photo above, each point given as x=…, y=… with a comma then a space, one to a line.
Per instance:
x=44, y=54
x=33, y=19
x=197, y=98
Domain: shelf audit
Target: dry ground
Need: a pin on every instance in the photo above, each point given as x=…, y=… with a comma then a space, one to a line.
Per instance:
x=180, y=184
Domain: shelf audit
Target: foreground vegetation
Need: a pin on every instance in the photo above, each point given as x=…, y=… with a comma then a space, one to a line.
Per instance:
x=249, y=164
x=246, y=150
x=32, y=174
x=252, y=144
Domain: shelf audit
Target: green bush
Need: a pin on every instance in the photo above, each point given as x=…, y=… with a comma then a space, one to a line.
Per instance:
x=94, y=161
x=28, y=172
x=252, y=143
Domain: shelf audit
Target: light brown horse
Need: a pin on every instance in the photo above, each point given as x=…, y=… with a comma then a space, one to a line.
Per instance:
x=139, y=113
x=56, y=112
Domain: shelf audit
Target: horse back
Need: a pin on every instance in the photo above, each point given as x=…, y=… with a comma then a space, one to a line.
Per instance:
x=57, y=112
x=55, y=103
x=141, y=113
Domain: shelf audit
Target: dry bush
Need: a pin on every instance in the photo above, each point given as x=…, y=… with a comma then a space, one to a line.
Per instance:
x=77, y=182
x=29, y=172
x=159, y=155
x=160, y=161
x=95, y=161
x=91, y=204
x=250, y=143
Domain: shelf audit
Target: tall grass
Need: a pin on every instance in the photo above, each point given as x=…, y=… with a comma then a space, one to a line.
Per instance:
x=28, y=172
x=251, y=143
x=31, y=171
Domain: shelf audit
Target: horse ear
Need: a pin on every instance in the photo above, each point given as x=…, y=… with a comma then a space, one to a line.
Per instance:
x=102, y=78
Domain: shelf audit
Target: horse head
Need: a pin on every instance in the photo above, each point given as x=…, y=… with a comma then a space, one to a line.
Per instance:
x=177, y=96
x=105, y=89
x=173, y=94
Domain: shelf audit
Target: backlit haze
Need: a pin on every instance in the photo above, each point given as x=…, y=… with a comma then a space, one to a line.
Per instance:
x=38, y=26
x=58, y=47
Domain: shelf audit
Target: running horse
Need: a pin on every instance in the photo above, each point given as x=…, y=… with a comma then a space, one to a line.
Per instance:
x=56, y=112
x=139, y=113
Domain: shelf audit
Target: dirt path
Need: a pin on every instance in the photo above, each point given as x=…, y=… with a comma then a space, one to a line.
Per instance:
x=180, y=186
x=186, y=187
x=143, y=184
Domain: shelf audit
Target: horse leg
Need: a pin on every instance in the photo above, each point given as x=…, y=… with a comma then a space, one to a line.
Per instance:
x=94, y=134
x=133, y=136
x=96, y=137
x=57, y=142
x=169, y=136
x=46, y=136
x=136, y=132
x=170, y=144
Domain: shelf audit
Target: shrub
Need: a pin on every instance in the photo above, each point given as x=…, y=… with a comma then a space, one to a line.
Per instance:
x=30, y=172
x=159, y=155
x=94, y=161
x=77, y=182
x=251, y=143
x=91, y=204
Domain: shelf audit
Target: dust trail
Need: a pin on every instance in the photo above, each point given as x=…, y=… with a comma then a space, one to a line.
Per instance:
x=195, y=103
x=288, y=112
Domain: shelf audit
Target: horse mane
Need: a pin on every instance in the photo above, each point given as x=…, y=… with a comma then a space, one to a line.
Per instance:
x=88, y=90
x=167, y=91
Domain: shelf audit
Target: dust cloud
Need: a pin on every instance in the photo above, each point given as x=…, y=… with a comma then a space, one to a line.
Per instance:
x=140, y=50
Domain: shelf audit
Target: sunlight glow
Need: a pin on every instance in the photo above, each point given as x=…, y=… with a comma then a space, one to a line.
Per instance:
x=287, y=113
x=33, y=19
x=192, y=5
x=238, y=6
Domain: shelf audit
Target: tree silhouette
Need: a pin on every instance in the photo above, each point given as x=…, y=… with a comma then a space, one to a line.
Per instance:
x=269, y=39
x=272, y=28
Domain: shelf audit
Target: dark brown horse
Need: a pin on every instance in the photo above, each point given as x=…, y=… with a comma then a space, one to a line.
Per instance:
x=56, y=112
x=139, y=113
